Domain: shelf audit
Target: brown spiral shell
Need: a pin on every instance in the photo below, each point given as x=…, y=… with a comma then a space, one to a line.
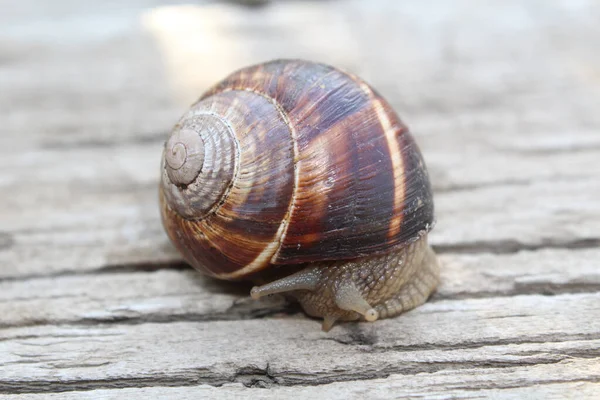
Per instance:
x=290, y=162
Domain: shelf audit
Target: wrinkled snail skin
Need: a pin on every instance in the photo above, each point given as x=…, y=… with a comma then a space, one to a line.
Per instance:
x=292, y=163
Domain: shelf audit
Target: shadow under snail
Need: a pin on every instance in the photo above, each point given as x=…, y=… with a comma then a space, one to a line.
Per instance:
x=300, y=175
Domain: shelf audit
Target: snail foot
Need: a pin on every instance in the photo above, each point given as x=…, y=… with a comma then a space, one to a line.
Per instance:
x=370, y=288
x=416, y=290
x=347, y=297
x=328, y=322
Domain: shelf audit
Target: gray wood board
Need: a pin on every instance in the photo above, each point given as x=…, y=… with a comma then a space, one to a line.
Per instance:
x=502, y=97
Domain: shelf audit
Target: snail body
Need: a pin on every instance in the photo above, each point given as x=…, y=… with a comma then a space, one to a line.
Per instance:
x=302, y=175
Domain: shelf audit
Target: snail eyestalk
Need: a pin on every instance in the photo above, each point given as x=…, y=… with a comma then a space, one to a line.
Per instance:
x=347, y=297
x=303, y=280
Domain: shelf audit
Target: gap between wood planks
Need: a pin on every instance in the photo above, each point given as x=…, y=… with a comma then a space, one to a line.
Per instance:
x=480, y=247
x=256, y=377
x=461, y=279
x=529, y=353
x=484, y=354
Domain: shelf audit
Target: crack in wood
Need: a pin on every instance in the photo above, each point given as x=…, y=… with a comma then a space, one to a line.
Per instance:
x=233, y=313
x=538, y=383
x=50, y=336
x=47, y=386
x=453, y=188
x=145, y=267
x=239, y=311
x=242, y=310
x=252, y=376
x=514, y=246
x=368, y=346
x=439, y=188
x=109, y=142
x=255, y=377
x=478, y=247
x=583, y=148
x=544, y=288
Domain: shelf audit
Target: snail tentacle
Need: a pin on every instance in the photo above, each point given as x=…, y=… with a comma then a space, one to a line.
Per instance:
x=347, y=297
x=328, y=322
x=307, y=279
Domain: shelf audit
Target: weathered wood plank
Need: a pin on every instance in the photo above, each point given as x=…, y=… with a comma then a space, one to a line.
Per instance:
x=507, y=383
x=123, y=227
x=446, y=335
x=184, y=295
x=108, y=207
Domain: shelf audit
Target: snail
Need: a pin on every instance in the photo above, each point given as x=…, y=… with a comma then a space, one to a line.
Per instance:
x=300, y=176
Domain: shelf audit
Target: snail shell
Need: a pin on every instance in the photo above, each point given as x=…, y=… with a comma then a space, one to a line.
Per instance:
x=292, y=162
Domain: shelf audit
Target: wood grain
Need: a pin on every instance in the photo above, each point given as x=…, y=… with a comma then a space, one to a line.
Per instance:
x=110, y=209
x=169, y=295
x=95, y=303
x=521, y=384
x=486, y=333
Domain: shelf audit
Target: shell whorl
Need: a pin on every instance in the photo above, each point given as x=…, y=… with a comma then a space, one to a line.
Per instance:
x=199, y=163
x=228, y=220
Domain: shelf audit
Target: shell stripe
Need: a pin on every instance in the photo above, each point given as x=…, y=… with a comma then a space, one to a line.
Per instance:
x=346, y=190
x=265, y=257
x=346, y=193
x=245, y=229
x=391, y=134
x=312, y=104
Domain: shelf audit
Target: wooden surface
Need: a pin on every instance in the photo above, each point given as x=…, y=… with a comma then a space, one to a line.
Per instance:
x=503, y=99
